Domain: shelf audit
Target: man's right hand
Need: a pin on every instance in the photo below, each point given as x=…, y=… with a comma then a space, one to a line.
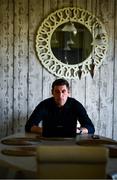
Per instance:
x=36, y=129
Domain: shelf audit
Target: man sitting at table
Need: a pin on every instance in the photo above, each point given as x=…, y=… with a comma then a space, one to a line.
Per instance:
x=59, y=114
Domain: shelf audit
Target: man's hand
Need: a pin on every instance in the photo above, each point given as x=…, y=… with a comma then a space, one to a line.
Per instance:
x=82, y=130
x=36, y=129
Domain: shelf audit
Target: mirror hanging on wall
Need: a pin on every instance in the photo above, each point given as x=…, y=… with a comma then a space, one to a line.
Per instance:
x=71, y=42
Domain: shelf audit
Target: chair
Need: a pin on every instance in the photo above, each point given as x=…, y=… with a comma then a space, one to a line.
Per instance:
x=71, y=162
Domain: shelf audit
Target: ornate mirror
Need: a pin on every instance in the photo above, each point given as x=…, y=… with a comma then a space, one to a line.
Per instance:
x=71, y=42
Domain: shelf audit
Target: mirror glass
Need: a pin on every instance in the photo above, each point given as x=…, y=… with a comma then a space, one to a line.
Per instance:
x=71, y=43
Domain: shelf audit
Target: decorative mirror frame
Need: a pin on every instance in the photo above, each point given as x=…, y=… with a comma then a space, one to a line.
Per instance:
x=43, y=43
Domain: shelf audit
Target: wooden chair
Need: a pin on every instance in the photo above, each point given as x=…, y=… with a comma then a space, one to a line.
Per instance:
x=71, y=162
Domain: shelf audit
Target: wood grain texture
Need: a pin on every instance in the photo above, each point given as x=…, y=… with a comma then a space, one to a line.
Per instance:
x=114, y=121
x=34, y=66
x=24, y=82
x=106, y=71
x=20, y=63
x=6, y=67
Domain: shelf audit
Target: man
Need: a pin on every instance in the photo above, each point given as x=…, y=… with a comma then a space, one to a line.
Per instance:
x=59, y=114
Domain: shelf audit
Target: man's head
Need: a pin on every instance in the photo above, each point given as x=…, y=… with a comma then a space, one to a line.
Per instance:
x=60, y=91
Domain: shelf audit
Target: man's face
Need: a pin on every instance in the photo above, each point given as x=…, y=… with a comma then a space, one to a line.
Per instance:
x=60, y=94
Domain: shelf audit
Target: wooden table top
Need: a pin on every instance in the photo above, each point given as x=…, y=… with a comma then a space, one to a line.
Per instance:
x=14, y=148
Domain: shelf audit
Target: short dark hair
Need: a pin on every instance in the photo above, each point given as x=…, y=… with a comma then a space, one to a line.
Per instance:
x=60, y=82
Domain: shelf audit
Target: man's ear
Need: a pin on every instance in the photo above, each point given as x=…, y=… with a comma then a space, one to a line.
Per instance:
x=69, y=92
x=52, y=91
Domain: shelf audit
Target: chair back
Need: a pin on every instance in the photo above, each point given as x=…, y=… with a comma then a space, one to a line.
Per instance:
x=71, y=162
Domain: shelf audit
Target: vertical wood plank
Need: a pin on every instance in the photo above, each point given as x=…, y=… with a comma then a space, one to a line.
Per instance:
x=35, y=68
x=60, y=4
x=20, y=63
x=114, y=122
x=82, y=3
x=6, y=67
x=106, y=14
x=92, y=100
x=53, y=5
x=67, y=3
x=1, y=68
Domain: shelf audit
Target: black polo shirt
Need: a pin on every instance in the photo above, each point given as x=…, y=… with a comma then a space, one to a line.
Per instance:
x=60, y=121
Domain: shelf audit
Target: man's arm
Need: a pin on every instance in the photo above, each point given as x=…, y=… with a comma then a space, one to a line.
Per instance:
x=32, y=125
x=86, y=123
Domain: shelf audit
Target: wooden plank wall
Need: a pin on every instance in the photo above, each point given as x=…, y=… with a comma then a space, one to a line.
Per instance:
x=24, y=82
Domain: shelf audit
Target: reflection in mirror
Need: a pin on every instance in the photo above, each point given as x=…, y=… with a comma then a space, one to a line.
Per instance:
x=71, y=45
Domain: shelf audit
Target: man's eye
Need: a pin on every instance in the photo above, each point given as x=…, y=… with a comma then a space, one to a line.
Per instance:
x=56, y=92
x=63, y=91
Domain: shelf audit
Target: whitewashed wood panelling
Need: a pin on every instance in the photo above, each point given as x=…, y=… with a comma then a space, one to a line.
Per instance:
x=6, y=67
x=24, y=82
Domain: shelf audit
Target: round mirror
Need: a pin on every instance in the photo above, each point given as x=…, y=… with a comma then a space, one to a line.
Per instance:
x=71, y=42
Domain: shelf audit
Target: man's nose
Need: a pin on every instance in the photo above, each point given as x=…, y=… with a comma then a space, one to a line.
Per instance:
x=60, y=94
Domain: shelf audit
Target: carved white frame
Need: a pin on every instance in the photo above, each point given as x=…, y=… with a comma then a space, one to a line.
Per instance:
x=43, y=43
